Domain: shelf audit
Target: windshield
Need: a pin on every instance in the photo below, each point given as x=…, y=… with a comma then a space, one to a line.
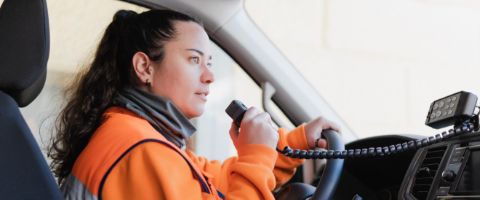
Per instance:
x=379, y=64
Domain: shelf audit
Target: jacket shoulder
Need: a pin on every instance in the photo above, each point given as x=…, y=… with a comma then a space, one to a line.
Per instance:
x=120, y=131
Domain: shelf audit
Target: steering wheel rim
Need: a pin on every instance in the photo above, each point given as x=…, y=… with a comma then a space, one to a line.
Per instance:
x=333, y=169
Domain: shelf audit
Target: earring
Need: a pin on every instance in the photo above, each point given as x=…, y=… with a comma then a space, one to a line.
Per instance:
x=147, y=83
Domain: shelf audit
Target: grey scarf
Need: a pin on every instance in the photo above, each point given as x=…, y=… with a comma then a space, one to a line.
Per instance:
x=159, y=112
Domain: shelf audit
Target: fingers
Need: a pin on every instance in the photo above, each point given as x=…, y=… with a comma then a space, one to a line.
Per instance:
x=326, y=124
x=263, y=117
x=233, y=130
x=256, y=128
x=251, y=113
x=257, y=116
x=321, y=143
x=234, y=134
x=314, y=129
x=333, y=126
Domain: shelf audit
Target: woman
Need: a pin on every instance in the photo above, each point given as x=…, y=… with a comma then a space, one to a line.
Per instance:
x=122, y=133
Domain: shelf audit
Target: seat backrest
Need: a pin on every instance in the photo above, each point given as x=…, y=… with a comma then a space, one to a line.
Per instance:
x=24, y=49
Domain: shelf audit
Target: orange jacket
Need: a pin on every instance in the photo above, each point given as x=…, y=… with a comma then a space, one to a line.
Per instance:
x=127, y=158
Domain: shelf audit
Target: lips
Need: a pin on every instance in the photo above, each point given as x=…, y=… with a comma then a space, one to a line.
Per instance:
x=202, y=95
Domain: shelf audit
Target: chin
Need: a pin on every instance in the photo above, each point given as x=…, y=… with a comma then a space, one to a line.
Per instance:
x=197, y=112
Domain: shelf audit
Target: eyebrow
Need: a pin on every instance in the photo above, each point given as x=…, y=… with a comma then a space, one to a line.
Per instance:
x=199, y=52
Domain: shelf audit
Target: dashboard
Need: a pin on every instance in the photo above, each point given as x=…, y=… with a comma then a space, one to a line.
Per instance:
x=446, y=170
x=449, y=170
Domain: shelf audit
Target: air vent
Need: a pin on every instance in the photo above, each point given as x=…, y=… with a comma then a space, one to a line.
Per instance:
x=426, y=172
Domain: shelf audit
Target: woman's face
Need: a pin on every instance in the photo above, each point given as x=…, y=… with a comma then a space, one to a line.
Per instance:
x=184, y=74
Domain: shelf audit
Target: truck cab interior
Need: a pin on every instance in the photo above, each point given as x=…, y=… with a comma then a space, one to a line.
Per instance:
x=441, y=164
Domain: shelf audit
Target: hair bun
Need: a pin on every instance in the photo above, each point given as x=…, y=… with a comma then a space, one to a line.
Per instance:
x=124, y=14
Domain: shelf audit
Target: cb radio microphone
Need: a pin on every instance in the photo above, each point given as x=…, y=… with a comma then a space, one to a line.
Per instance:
x=236, y=110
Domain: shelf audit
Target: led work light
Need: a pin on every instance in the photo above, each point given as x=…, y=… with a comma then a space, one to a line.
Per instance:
x=451, y=110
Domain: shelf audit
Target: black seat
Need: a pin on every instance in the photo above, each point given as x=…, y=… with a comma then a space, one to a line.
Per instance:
x=24, y=49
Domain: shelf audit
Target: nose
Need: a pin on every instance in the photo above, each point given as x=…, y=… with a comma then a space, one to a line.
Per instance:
x=207, y=75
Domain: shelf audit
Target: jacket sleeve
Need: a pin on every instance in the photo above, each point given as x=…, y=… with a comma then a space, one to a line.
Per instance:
x=248, y=176
x=285, y=167
x=222, y=174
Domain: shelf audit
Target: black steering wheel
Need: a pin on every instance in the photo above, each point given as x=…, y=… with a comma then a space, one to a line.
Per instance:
x=327, y=184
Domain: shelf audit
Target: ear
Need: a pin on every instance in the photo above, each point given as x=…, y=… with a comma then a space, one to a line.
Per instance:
x=142, y=67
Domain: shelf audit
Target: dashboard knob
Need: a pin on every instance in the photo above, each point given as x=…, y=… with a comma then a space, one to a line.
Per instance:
x=448, y=175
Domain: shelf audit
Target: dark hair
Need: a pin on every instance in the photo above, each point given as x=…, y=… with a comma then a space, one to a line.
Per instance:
x=110, y=71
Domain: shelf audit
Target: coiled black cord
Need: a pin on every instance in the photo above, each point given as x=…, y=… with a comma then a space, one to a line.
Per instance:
x=464, y=128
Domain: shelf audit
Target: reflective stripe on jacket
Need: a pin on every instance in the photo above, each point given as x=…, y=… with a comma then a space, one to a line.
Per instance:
x=127, y=158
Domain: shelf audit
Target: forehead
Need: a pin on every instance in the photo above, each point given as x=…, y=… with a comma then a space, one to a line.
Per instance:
x=191, y=35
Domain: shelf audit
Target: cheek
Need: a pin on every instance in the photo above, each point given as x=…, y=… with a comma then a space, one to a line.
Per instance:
x=180, y=87
x=164, y=85
x=184, y=85
x=191, y=103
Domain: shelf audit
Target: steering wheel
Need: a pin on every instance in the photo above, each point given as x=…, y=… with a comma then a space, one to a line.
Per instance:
x=327, y=184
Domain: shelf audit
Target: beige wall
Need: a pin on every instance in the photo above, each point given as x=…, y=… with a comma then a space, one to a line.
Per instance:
x=380, y=63
x=76, y=28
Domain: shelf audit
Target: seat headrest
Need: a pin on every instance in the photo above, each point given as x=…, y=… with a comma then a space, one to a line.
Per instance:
x=24, y=48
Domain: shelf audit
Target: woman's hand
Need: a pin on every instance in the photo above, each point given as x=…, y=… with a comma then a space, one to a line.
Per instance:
x=256, y=128
x=313, y=132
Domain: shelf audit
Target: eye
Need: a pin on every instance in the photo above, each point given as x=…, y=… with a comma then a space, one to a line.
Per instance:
x=195, y=59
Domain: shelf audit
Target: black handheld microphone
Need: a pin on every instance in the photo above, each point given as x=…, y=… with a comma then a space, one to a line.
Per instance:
x=236, y=110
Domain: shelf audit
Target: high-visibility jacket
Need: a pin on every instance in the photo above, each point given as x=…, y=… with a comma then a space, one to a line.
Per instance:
x=126, y=158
